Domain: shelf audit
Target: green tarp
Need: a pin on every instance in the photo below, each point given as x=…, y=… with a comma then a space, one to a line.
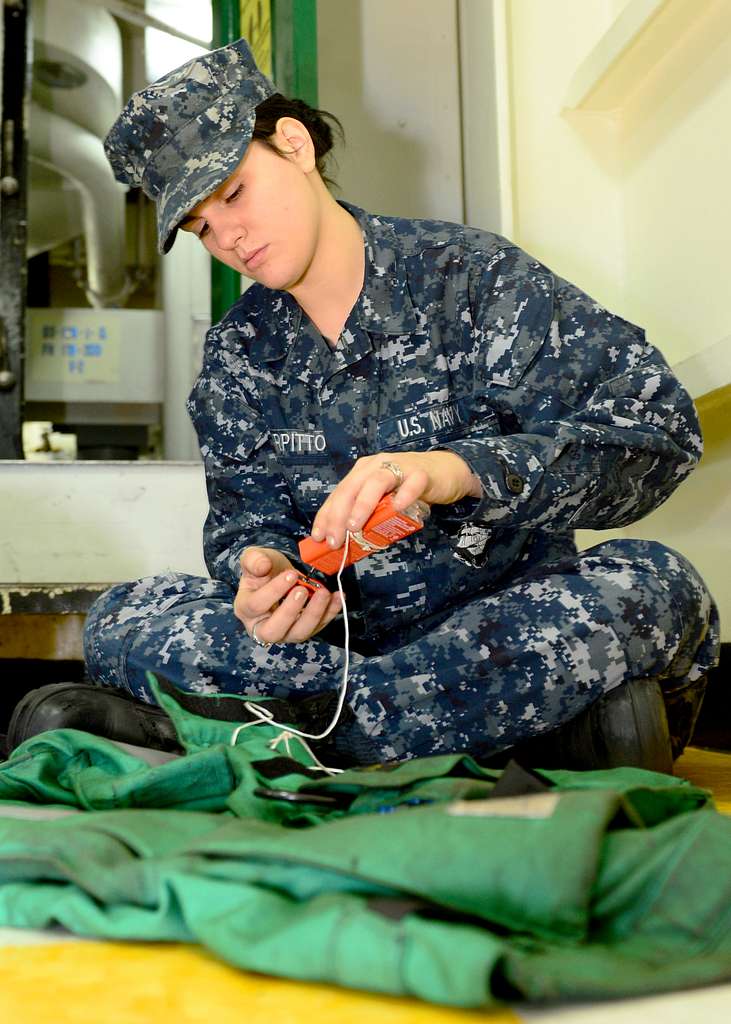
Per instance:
x=419, y=879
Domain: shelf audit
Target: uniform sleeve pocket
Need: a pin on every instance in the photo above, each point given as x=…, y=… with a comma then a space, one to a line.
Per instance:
x=512, y=325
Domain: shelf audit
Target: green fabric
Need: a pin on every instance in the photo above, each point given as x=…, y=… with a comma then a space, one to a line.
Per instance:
x=611, y=883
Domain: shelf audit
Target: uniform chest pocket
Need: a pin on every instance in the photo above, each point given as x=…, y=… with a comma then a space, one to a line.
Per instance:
x=310, y=483
x=425, y=426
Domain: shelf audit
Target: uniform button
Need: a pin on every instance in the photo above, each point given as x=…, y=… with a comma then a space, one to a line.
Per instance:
x=515, y=483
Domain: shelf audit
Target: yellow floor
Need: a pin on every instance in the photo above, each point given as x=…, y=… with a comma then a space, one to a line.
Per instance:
x=79, y=982
x=112, y=983
x=709, y=769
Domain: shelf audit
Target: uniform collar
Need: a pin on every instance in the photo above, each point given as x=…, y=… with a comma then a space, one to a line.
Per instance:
x=384, y=305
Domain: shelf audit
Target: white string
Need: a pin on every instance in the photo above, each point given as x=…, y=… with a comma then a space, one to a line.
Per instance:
x=262, y=716
x=318, y=766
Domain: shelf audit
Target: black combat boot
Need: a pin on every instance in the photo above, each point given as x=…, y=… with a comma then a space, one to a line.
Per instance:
x=627, y=727
x=113, y=714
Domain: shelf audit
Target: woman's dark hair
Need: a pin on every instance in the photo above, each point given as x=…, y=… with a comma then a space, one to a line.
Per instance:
x=315, y=121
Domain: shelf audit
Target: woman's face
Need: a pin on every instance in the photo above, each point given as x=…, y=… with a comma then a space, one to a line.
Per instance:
x=264, y=219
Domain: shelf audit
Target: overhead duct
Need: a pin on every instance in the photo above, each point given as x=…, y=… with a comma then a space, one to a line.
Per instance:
x=77, y=80
x=79, y=156
x=77, y=62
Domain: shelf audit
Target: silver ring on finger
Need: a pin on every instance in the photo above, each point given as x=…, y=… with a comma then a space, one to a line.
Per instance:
x=255, y=638
x=394, y=468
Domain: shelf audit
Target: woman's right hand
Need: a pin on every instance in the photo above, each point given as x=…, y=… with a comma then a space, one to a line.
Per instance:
x=269, y=599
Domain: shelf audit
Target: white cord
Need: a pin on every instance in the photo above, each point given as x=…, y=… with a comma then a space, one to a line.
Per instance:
x=264, y=717
x=318, y=766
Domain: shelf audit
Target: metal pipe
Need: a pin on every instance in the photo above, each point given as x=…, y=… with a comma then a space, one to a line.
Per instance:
x=79, y=156
x=127, y=12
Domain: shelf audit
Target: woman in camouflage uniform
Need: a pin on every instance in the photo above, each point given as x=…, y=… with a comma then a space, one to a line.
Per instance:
x=429, y=360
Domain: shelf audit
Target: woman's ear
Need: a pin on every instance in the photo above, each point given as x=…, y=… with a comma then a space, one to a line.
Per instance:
x=295, y=143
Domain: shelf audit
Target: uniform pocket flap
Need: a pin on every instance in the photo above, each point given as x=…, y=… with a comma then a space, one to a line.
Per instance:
x=519, y=321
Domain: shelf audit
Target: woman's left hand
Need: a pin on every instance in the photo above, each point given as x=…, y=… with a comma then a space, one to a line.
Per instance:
x=438, y=478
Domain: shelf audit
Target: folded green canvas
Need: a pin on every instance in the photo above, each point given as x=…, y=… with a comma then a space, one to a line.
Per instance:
x=419, y=879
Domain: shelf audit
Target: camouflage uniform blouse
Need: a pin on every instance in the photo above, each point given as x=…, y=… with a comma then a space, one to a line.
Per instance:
x=458, y=340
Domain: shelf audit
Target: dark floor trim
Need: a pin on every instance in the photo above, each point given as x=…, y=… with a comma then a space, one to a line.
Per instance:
x=49, y=598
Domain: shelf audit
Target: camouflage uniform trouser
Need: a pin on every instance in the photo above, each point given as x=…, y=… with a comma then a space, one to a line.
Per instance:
x=502, y=667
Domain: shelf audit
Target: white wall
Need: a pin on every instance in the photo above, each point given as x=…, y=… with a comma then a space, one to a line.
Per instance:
x=99, y=522
x=567, y=200
x=676, y=174
x=390, y=72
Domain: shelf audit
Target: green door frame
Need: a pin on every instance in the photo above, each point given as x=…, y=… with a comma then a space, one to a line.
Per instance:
x=225, y=282
x=294, y=48
x=294, y=59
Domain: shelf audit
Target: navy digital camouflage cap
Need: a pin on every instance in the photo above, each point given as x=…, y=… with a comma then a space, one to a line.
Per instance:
x=180, y=138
